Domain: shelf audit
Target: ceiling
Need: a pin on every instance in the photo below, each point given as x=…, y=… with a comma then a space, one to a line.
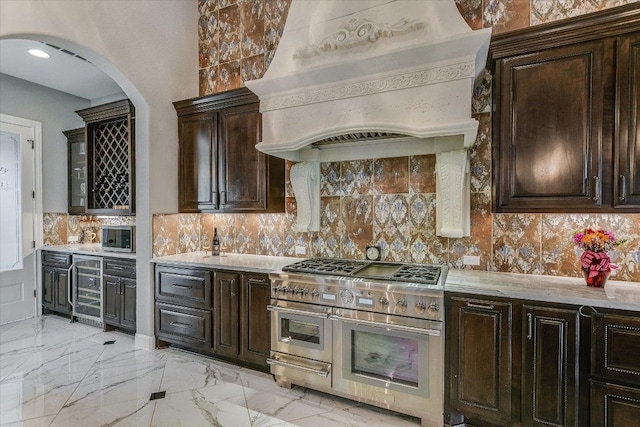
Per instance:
x=64, y=71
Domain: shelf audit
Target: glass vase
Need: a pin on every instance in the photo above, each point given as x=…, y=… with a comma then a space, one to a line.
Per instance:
x=598, y=280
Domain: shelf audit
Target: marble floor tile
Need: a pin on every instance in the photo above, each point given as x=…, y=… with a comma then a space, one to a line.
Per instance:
x=54, y=373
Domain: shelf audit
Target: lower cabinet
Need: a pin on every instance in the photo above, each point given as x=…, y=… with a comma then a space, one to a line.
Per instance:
x=614, y=405
x=119, y=294
x=56, y=282
x=515, y=363
x=225, y=317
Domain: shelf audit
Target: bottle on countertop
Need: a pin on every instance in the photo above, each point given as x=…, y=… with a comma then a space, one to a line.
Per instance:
x=215, y=244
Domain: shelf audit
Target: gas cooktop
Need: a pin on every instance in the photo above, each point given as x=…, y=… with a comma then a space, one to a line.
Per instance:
x=399, y=272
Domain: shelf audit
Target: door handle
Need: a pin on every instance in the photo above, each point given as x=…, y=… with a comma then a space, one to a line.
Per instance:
x=623, y=187
x=298, y=312
x=529, y=326
x=481, y=306
x=320, y=372
x=233, y=287
x=223, y=197
x=596, y=188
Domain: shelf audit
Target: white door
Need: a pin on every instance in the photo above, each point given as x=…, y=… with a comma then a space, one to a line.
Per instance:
x=17, y=220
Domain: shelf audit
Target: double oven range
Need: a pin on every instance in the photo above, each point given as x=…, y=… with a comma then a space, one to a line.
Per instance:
x=369, y=331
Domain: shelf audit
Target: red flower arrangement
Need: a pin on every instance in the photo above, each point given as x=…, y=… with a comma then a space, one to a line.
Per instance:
x=595, y=262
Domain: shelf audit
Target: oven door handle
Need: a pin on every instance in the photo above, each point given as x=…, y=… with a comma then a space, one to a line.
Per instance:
x=320, y=372
x=387, y=326
x=299, y=312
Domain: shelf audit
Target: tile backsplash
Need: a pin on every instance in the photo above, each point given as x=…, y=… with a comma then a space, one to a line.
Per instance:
x=60, y=228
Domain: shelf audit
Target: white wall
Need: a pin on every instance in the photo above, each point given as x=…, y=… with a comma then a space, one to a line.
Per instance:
x=149, y=48
x=56, y=111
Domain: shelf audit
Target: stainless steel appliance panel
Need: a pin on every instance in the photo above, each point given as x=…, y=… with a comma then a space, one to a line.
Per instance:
x=119, y=238
x=87, y=287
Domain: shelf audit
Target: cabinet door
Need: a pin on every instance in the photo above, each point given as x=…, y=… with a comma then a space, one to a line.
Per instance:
x=47, y=287
x=226, y=315
x=614, y=406
x=255, y=326
x=242, y=168
x=197, y=179
x=111, y=299
x=77, y=171
x=61, y=285
x=627, y=190
x=550, y=374
x=615, y=342
x=128, y=304
x=479, y=347
x=550, y=137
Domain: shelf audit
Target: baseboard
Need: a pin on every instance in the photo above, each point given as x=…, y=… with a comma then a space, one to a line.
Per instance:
x=145, y=342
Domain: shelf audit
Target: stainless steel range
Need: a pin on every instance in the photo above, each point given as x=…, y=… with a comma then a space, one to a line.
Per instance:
x=370, y=331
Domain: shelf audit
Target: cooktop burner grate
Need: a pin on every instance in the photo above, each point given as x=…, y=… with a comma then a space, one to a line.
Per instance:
x=341, y=267
x=417, y=273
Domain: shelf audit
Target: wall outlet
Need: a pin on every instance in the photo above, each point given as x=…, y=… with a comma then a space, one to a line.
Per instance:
x=73, y=239
x=471, y=260
x=300, y=250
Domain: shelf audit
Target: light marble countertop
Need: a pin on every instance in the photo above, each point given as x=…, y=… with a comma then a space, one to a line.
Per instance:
x=567, y=290
x=87, y=249
x=243, y=262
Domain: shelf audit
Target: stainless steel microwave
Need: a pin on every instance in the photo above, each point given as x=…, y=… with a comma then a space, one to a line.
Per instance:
x=119, y=238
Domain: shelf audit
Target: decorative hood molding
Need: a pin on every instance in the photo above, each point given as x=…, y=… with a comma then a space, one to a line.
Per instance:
x=362, y=79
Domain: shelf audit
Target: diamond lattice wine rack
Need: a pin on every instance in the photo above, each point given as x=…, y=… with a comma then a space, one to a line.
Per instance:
x=110, y=158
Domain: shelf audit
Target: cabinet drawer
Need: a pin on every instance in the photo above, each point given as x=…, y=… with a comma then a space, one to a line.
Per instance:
x=120, y=267
x=614, y=406
x=184, y=286
x=615, y=346
x=56, y=259
x=184, y=325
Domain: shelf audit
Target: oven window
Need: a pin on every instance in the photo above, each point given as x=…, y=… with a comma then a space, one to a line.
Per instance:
x=298, y=330
x=386, y=357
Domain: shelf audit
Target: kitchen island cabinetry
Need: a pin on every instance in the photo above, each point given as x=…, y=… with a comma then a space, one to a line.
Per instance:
x=219, y=168
x=566, y=115
x=221, y=313
x=119, y=294
x=56, y=278
x=514, y=362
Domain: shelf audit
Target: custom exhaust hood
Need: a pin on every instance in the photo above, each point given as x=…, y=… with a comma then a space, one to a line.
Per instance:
x=363, y=79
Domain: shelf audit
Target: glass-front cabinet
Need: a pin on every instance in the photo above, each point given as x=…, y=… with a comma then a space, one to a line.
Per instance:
x=77, y=161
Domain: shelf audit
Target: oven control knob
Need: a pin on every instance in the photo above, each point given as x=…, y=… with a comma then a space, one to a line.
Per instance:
x=346, y=296
x=304, y=292
x=383, y=301
x=401, y=305
x=420, y=307
x=433, y=308
x=315, y=293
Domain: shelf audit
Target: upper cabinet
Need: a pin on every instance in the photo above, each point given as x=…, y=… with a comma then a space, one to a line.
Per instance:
x=110, y=178
x=220, y=169
x=565, y=124
x=77, y=171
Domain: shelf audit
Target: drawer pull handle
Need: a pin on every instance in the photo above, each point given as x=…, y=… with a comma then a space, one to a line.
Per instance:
x=116, y=267
x=260, y=281
x=177, y=285
x=181, y=325
x=320, y=372
x=481, y=306
x=529, y=326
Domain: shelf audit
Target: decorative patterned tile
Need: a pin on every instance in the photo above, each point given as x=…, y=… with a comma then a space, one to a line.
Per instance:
x=516, y=243
x=480, y=159
x=560, y=256
x=229, y=27
x=207, y=6
x=506, y=15
x=543, y=11
x=481, y=100
x=328, y=240
x=165, y=234
x=427, y=248
x=252, y=18
x=225, y=3
x=207, y=80
x=226, y=225
x=208, y=52
x=330, y=180
x=188, y=233
x=275, y=15
x=292, y=238
x=54, y=228
x=391, y=226
x=627, y=255
x=391, y=176
x=288, y=192
x=207, y=222
x=357, y=217
x=471, y=11
x=422, y=174
x=422, y=213
x=268, y=57
x=247, y=233
x=356, y=177
x=479, y=243
x=270, y=234
x=228, y=77
x=204, y=27
x=252, y=68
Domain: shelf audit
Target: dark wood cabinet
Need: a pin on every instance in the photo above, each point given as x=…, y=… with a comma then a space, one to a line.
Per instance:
x=119, y=294
x=56, y=282
x=614, y=405
x=479, y=350
x=565, y=122
x=77, y=171
x=552, y=375
x=110, y=180
x=255, y=320
x=219, y=168
x=226, y=311
x=184, y=326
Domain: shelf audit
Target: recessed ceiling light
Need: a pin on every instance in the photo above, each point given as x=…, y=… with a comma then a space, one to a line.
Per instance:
x=39, y=53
